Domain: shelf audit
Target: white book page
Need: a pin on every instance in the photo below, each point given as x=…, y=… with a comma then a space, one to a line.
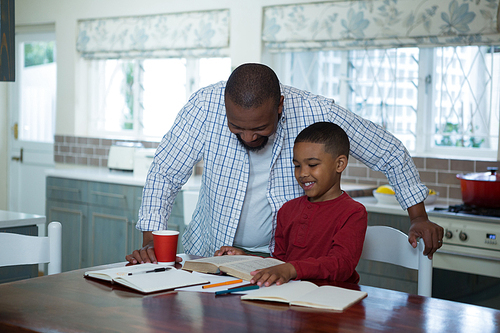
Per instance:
x=252, y=265
x=221, y=260
x=170, y=279
x=329, y=297
x=283, y=293
x=112, y=273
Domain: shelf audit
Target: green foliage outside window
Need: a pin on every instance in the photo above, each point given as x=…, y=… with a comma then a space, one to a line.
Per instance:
x=38, y=53
x=127, y=91
x=451, y=137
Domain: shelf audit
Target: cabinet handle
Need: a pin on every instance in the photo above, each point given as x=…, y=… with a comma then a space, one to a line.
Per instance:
x=110, y=195
x=58, y=188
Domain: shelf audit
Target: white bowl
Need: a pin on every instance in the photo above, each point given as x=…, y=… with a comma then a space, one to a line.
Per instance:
x=386, y=199
x=390, y=199
x=431, y=198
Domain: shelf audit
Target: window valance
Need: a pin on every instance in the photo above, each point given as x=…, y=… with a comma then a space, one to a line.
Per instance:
x=381, y=24
x=168, y=35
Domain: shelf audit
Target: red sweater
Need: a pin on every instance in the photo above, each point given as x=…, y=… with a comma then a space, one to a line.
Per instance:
x=322, y=240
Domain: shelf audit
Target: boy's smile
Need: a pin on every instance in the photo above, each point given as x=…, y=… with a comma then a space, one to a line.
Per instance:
x=317, y=171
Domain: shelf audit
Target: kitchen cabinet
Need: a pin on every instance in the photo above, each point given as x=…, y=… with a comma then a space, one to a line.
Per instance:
x=99, y=219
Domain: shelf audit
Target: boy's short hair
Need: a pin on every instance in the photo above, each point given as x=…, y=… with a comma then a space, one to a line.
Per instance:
x=331, y=135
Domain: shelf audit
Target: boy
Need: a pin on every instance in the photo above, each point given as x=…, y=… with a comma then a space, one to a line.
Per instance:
x=319, y=235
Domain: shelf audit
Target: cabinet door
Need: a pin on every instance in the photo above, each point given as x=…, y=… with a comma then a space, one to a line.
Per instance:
x=111, y=195
x=73, y=218
x=109, y=235
x=62, y=189
x=136, y=235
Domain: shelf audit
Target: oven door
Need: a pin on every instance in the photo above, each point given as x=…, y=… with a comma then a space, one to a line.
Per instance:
x=468, y=275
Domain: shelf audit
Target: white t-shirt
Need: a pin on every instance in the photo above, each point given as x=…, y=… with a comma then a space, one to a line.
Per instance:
x=255, y=226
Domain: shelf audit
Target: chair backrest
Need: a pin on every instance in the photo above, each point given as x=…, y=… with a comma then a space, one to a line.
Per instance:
x=23, y=250
x=389, y=245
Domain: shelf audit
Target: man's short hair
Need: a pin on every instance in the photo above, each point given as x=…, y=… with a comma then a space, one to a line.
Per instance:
x=250, y=85
x=331, y=135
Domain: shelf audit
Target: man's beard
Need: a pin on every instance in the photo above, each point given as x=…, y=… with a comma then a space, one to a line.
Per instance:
x=253, y=149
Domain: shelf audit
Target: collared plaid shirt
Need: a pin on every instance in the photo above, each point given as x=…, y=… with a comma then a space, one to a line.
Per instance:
x=200, y=132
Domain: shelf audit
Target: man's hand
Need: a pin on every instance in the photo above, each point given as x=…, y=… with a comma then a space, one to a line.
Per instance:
x=147, y=253
x=430, y=232
x=278, y=274
x=229, y=250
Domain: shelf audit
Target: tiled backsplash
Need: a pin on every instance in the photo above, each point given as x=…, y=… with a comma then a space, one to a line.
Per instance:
x=438, y=174
x=87, y=151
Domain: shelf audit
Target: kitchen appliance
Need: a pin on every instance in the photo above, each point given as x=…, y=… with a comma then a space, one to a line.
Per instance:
x=121, y=155
x=142, y=161
x=481, y=189
x=467, y=266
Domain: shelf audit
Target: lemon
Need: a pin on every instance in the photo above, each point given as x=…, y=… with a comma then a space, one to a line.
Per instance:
x=432, y=192
x=386, y=189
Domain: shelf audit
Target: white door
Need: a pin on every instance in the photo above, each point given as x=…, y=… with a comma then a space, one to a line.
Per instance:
x=32, y=105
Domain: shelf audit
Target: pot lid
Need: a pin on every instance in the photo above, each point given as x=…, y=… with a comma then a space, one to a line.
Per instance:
x=490, y=176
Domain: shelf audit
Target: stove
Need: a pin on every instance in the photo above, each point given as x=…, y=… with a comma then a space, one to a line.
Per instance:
x=471, y=210
x=468, y=263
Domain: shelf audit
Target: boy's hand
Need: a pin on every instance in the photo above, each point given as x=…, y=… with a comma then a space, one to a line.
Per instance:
x=278, y=274
x=229, y=250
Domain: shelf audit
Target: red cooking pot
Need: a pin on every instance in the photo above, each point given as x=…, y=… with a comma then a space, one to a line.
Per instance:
x=481, y=189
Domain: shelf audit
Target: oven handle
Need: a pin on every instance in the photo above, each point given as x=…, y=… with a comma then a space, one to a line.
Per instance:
x=475, y=256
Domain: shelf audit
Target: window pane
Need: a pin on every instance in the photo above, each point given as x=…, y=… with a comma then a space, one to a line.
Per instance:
x=37, y=91
x=383, y=88
x=466, y=96
x=213, y=70
x=118, y=96
x=164, y=94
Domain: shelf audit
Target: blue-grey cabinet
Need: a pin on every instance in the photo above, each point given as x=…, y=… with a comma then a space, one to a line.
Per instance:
x=99, y=220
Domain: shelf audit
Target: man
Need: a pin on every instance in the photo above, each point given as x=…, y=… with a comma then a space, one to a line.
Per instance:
x=244, y=131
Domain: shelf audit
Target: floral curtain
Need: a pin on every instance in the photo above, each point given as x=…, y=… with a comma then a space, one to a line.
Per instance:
x=187, y=34
x=381, y=24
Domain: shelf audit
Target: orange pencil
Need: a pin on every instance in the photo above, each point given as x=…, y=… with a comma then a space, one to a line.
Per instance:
x=221, y=284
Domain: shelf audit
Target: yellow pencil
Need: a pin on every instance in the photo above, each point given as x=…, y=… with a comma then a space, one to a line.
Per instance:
x=221, y=284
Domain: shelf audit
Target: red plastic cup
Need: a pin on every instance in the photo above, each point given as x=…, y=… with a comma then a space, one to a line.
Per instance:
x=165, y=245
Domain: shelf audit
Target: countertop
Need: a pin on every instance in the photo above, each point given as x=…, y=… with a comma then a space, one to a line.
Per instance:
x=104, y=175
x=14, y=219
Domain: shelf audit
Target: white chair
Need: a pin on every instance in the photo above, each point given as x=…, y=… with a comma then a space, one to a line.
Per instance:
x=24, y=250
x=389, y=245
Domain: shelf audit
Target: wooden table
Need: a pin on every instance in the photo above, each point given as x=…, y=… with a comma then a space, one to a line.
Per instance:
x=68, y=302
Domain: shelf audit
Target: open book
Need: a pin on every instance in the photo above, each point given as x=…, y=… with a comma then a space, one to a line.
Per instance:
x=305, y=293
x=148, y=278
x=239, y=266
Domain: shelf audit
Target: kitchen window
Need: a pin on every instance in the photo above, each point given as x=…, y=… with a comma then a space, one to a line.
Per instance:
x=136, y=72
x=140, y=98
x=441, y=101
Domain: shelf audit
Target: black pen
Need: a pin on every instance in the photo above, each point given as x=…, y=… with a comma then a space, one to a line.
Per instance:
x=156, y=270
